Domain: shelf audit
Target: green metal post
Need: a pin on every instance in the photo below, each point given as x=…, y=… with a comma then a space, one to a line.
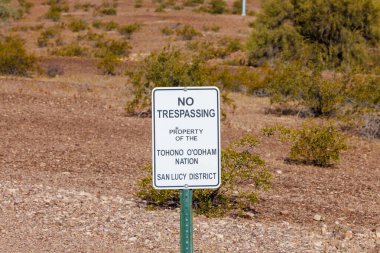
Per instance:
x=186, y=223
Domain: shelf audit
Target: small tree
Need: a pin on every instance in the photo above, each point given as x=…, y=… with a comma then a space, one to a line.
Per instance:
x=333, y=32
x=14, y=60
x=7, y=11
x=244, y=175
x=162, y=69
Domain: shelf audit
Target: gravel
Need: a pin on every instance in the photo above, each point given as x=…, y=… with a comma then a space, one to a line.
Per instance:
x=38, y=218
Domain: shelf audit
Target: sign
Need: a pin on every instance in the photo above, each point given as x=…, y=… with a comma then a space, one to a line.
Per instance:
x=186, y=137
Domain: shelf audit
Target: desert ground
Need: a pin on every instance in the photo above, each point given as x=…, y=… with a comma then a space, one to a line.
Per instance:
x=70, y=158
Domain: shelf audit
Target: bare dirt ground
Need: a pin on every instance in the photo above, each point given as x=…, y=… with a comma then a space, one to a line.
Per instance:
x=70, y=159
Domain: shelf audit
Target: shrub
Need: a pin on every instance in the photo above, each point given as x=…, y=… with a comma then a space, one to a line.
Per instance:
x=193, y=2
x=77, y=25
x=236, y=7
x=296, y=85
x=108, y=11
x=111, y=25
x=217, y=7
x=161, y=69
x=244, y=175
x=314, y=144
x=128, y=30
x=238, y=80
x=24, y=7
x=115, y=47
x=85, y=6
x=138, y=4
x=370, y=125
x=46, y=35
x=167, y=30
x=54, y=70
x=107, y=26
x=214, y=28
x=329, y=94
x=107, y=8
x=363, y=91
x=335, y=32
x=209, y=50
x=187, y=32
x=55, y=10
x=14, y=60
x=72, y=49
x=319, y=145
x=7, y=10
x=108, y=64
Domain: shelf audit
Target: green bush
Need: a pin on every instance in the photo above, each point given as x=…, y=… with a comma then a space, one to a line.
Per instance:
x=14, y=60
x=297, y=86
x=244, y=175
x=24, y=7
x=236, y=7
x=333, y=32
x=187, y=32
x=77, y=25
x=107, y=26
x=117, y=47
x=55, y=10
x=109, y=11
x=193, y=2
x=47, y=35
x=72, y=49
x=161, y=69
x=11, y=11
x=85, y=6
x=209, y=50
x=314, y=144
x=319, y=145
x=111, y=25
x=217, y=7
x=107, y=8
x=6, y=11
x=108, y=64
x=167, y=30
x=128, y=30
x=242, y=79
x=138, y=3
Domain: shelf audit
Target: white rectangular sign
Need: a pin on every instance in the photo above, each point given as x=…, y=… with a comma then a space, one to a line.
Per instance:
x=186, y=137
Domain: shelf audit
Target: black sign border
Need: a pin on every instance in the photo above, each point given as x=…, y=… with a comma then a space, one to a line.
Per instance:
x=154, y=139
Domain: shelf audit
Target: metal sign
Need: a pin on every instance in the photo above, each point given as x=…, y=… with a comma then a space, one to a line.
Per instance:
x=186, y=137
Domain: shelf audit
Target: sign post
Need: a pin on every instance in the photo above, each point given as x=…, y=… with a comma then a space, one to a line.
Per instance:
x=186, y=221
x=243, y=8
x=186, y=146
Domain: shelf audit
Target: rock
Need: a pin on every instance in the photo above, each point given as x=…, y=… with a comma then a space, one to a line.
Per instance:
x=132, y=239
x=12, y=191
x=377, y=232
x=324, y=230
x=318, y=244
x=348, y=235
x=250, y=215
x=284, y=212
x=279, y=172
x=318, y=217
x=42, y=164
x=220, y=236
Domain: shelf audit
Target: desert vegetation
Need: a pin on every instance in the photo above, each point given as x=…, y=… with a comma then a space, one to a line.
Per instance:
x=239, y=166
x=300, y=91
